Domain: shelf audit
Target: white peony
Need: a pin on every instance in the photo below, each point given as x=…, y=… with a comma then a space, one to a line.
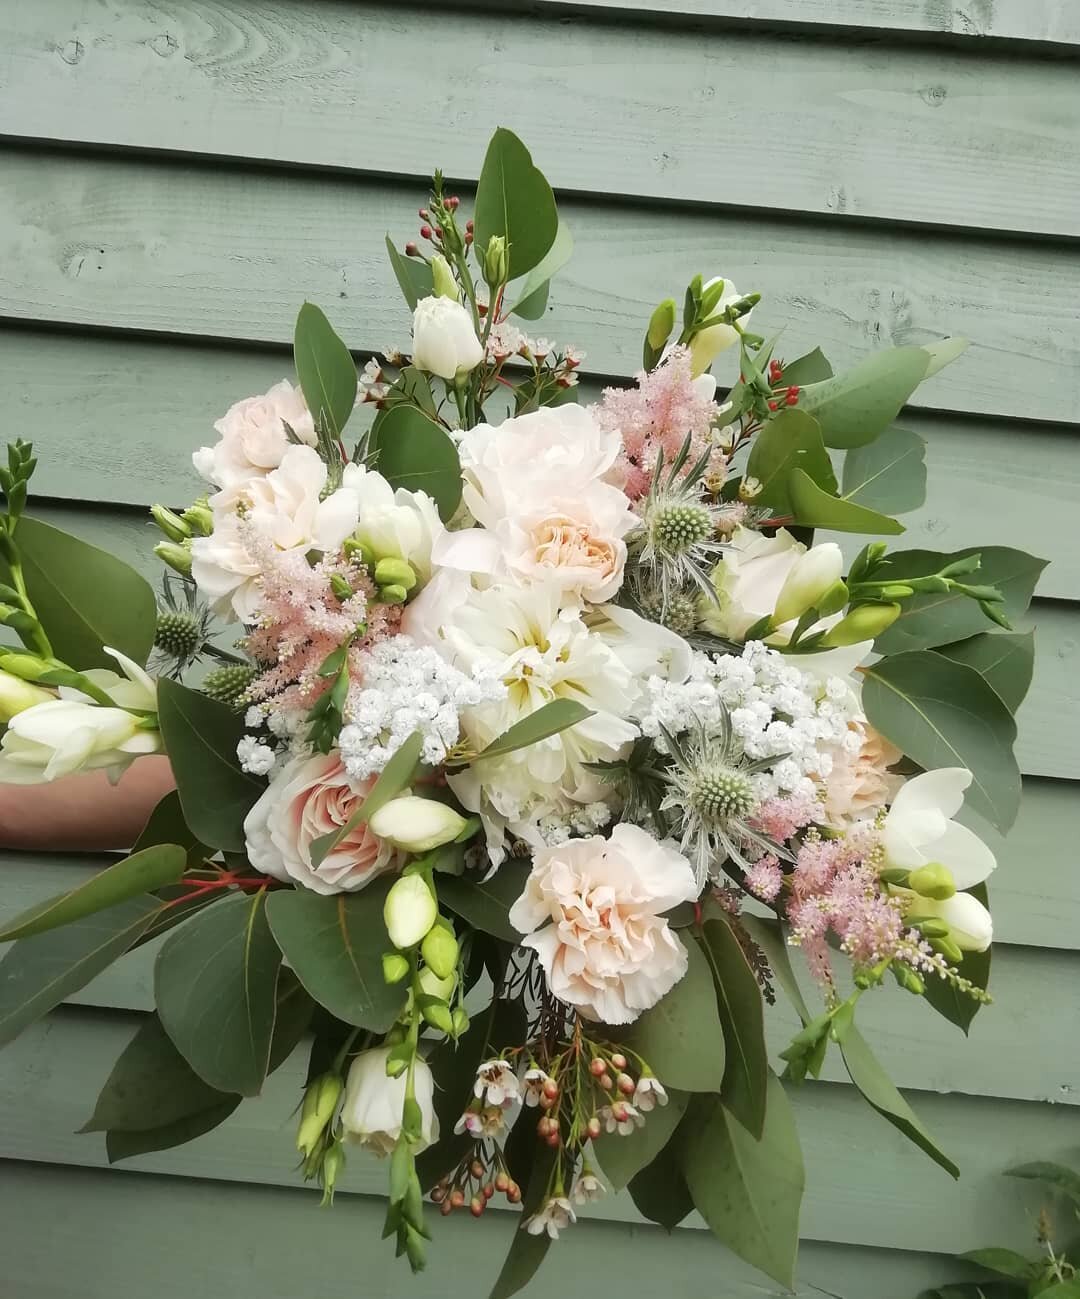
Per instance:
x=444, y=340
x=607, y=950
x=286, y=510
x=393, y=524
x=253, y=437
x=371, y=1111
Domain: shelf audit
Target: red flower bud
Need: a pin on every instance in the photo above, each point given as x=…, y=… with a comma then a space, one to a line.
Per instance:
x=457, y=1197
x=424, y=214
x=477, y=1169
x=773, y=405
x=445, y=1208
x=619, y=1060
x=438, y=232
x=410, y=249
x=502, y=1182
x=550, y=1088
x=476, y=1206
x=425, y=232
x=453, y=202
x=597, y=1067
x=469, y=225
x=593, y=1128
x=552, y=1138
x=606, y=1082
x=513, y=1193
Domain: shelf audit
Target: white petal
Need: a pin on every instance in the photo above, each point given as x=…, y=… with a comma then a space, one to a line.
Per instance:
x=942, y=790
x=137, y=677
x=472, y=550
x=969, y=860
x=970, y=924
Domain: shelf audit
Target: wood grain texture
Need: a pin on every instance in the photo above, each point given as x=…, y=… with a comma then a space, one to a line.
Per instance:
x=185, y=250
x=276, y=1246
x=860, y=1171
x=102, y=435
x=328, y=84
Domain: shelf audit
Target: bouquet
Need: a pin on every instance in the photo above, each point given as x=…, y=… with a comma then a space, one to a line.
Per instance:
x=524, y=747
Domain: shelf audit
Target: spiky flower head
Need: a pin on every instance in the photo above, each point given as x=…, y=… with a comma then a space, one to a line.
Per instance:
x=183, y=626
x=679, y=614
x=229, y=684
x=179, y=635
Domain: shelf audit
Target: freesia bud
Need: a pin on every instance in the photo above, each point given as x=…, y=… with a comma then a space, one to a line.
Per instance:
x=440, y=950
x=395, y=571
x=864, y=622
x=409, y=911
x=176, y=555
x=437, y=1014
x=434, y=986
x=199, y=518
x=661, y=323
x=332, y=1165
x=28, y=667
x=833, y=600
x=320, y=1101
x=461, y=1021
x=172, y=525
x=394, y=967
x=393, y=594
x=496, y=262
x=16, y=695
x=416, y=824
x=707, y=344
x=444, y=340
x=443, y=278
x=810, y=577
x=932, y=881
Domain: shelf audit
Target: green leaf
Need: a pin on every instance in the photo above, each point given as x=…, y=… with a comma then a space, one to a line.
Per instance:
x=413, y=275
x=943, y=714
x=533, y=294
x=548, y=720
x=939, y=619
x=949, y=1002
x=660, y=1192
x=681, y=1037
x=41, y=971
x=485, y=904
x=215, y=984
x=1056, y=1175
x=167, y=825
x=854, y=407
x=85, y=598
x=769, y=936
x=514, y=200
x=943, y=353
x=395, y=776
x=814, y=508
x=141, y=873
x=889, y=474
x=811, y=368
x=293, y=1019
x=526, y=1252
x=415, y=453
x=325, y=369
x=749, y=1192
x=200, y=738
x=742, y=1015
x=1007, y=1262
x=878, y=1090
x=1004, y=660
x=125, y=1145
x=622, y=1158
x=790, y=441
x=334, y=945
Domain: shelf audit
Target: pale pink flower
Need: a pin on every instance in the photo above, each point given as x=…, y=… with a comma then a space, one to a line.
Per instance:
x=781, y=817
x=254, y=437
x=765, y=878
x=649, y=1093
x=553, y=1216
x=860, y=784
x=498, y=1080
x=621, y=1117
x=533, y=1085
x=482, y=1124
x=587, y=1188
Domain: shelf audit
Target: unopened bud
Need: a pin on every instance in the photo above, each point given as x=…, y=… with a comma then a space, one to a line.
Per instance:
x=932, y=881
x=909, y=980
x=930, y=926
x=358, y=552
x=17, y=695
x=496, y=262
x=864, y=622
x=332, y=1165
x=893, y=875
x=593, y=1128
x=661, y=323
x=172, y=525
x=947, y=948
x=28, y=667
x=395, y=572
x=416, y=825
x=461, y=1021
x=813, y=577
x=896, y=591
x=443, y=278
x=394, y=967
x=410, y=908
x=199, y=517
x=597, y=1067
x=175, y=555
x=320, y=1101
x=432, y=986
x=440, y=950
x=438, y=1015
x=393, y=594
x=340, y=587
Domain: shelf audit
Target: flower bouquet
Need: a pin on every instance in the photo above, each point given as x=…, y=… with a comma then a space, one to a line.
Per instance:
x=523, y=742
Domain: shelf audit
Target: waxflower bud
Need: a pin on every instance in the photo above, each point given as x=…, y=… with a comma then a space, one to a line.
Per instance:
x=394, y=967
x=496, y=262
x=199, y=518
x=661, y=323
x=172, y=525
x=320, y=1101
x=443, y=278
x=864, y=622
x=410, y=910
x=395, y=571
x=440, y=950
x=340, y=587
x=416, y=824
x=175, y=555
x=932, y=881
x=16, y=695
x=812, y=575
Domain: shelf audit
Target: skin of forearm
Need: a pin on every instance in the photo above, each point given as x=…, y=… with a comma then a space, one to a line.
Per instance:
x=83, y=813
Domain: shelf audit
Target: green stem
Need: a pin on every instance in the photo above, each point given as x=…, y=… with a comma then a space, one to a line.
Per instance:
x=346, y=1047
x=223, y=655
x=462, y=408
x=34, y=639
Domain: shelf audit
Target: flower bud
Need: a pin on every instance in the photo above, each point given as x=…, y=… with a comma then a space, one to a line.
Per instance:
x=395, y=572
x=320, y=1101
x=410, y=909
x=356, y=550
x=496, y=262
x=176, y=555
x=27, y=667
x=812, y=575
x=932, y=881
x=707, y=344
x=16, y=695
x=434, y=986
x=461, y=1021
x=416, y=825
x=199, y=518
x=444, y=338
x=394, y=594
x=440, y=950
x=172, y=525
x=833, y=600
x=437, y=1014
x=340, y=587
x=332, y=1165
x=394, y=967
x=864, y=622
x=443, y=278
x=948, y=948
x=661, y=323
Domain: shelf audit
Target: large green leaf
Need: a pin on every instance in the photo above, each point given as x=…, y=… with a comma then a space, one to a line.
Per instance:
x=811, y=368
x=415, y=453
x=856, y=406
x=659, y=1190
x=949, y=1002
x=548, y=720
x=395, y=776
x=533, y=294
x=813, y=507
x=87, y=599
x=215, y=984
x=1005, y=661
x=413, y=275
x=485, y=904
x=888, y=474
x=943, y=714
x=166, y=824
x=39, y=972
x=623, y=1157
x=742, y=1015
x=325, y=369
x=526, y=1251
x=681, y=1037
x=1005, y=1261
x=790, y=441
x=335, y=945
x=1063, y=1179
x=200, y=738
x=749, y=1192
x=878, y=1089
x=769, y=936
x=125, y=1145
x=940, y=619
x=143, y=872
x=514, y=200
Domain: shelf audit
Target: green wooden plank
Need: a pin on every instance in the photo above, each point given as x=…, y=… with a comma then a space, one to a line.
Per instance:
x=865, y=1184
x=964, y=145
x=265, y=1241
x=132, y=443
x=186, y=250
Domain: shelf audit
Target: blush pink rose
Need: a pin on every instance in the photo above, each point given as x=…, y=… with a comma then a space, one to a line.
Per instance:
x=253, y=436
x=307, y=798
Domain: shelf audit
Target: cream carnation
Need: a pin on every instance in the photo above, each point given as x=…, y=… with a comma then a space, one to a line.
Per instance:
x=608, y=951
x=253, y=436
x=860, y=783
x=306, y=799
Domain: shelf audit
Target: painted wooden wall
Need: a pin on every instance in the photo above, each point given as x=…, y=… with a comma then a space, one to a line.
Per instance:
x=176, y=176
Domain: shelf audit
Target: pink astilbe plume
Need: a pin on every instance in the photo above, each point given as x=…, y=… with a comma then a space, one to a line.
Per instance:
x=779, y=818
x=666, y=405
x=765, y=878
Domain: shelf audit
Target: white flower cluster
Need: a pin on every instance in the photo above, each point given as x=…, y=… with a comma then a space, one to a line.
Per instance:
x=556, y=827
x=776, y=711
x=409, y=688
x=256, y=757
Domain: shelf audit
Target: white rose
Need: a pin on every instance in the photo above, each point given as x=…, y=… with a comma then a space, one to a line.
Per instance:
x=444, y=340
x=394, y=524
x=306, y=799
x=707, y=345
x=608, y=951
x=286, y=510
x=253, y=437
x=371, y=1112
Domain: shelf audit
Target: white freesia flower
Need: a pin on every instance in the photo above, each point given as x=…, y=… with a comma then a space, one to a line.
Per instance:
x=17, y=695
x=71, y=733
x=253, y=436
x=416, y=824
x=707, y=345
x=748, y=581
x=608, y=951
x=371, y=1113
x=286, y=510
x=393, y=524
x=409, y=911
x=444, y=340
x=809, y=578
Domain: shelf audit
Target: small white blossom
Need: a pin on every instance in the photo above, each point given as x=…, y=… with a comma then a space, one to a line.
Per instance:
x=649, y=1093
x=255, y=757
x=621, y=1118
x=553, y=1216
x=587, y=1188
x=481, y=1124
x=499, y=1082
x=532, y=1085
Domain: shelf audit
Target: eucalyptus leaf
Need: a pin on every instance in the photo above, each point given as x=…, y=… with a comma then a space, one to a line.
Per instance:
x=1055, y=1175
x=412, y=274
x=943, y=714
x=1005, y=1261
x=514, y=200
x=394, y=778
x=548, y=720
x=215, y=985
x=414, y=452
x=533, y=294
x=888, y=474
x=126, y=1145
x=485, y=904
x=200, y=738
x=659, y=1190
x=854, y=407
x=1004, y=660
x=811, y=368
x=814, y=508
x=623, y=1157
x=943, y=353
x=792, y=441
x=166, y=824
x=85, y=598
x=742, y=1015
x=325, y=369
